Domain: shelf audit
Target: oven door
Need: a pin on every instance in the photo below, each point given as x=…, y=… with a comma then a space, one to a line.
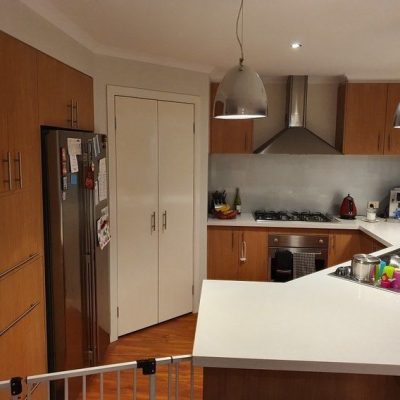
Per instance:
x=280, y=261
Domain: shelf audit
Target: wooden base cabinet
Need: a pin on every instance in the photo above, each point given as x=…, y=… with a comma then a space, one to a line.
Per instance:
x=237, y=254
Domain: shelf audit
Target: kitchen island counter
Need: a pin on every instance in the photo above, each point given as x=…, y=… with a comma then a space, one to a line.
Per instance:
x=386, y=232
x=319, y=327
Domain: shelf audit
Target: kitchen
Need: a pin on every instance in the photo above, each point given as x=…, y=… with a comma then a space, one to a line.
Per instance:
x=222, y=171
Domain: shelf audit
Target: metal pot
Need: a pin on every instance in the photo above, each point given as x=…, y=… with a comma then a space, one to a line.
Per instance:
x=363, y=267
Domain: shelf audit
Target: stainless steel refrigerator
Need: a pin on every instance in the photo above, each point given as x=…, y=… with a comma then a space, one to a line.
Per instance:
x=77, y=267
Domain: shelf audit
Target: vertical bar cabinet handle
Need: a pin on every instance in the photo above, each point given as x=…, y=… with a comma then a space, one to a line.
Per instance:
x=71, y=113
x=19, y=161
x=8, y=161
x=165, y=220
x=153, y=222
x=389, y=142
x=76, y=113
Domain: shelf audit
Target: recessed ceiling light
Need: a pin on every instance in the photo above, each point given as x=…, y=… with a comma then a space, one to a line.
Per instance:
x=296, y=45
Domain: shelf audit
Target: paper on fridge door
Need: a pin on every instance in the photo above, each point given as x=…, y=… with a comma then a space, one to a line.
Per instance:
x=73, y=163
x=102, y=179
x=74, y=146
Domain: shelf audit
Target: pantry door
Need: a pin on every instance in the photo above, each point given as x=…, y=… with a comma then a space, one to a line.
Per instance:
x=137, y=208
x=176, y=154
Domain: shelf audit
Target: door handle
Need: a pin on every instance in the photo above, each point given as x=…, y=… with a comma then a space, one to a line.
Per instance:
x=19, y=161
x=153, y=222
x=8, y=161
x=165, y=220
x=389, y=142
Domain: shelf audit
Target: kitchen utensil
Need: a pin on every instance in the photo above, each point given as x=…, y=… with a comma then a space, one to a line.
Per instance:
x=363, y=267
x=348, y=209
x=395, y=261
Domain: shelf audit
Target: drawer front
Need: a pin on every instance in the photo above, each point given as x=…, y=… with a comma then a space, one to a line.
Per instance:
x=20, y=290
x=24, y=346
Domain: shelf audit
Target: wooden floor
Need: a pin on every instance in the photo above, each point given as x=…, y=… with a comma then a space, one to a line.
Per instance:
x=174, y=337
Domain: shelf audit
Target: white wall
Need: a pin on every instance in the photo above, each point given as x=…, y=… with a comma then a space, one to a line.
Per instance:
x=22, y=23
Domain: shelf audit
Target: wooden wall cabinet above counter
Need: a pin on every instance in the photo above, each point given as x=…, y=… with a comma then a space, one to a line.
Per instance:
x=229, y=136
x=365, y=118
x=65, y=95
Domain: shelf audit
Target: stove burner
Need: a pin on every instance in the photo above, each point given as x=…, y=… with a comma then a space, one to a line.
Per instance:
x=306, y=216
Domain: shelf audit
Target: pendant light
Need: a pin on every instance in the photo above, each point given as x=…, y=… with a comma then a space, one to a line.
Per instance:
x=241, y=94
x=396, y=122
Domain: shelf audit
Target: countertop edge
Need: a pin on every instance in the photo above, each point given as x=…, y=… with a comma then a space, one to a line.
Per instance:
x=296, y=365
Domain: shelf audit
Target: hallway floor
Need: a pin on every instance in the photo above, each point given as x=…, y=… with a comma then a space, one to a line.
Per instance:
x=174, y=337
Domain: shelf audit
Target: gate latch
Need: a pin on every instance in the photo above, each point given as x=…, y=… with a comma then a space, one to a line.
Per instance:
x=148, y=366
x=16, y=386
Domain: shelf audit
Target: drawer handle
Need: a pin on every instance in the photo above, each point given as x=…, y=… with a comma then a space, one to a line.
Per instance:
x=25, y=313
x=18, y=265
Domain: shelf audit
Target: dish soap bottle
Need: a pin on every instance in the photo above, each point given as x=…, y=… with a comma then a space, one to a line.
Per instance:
x=237, y=203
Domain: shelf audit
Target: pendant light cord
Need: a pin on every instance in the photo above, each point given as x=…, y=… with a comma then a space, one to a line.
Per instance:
x=240, y=39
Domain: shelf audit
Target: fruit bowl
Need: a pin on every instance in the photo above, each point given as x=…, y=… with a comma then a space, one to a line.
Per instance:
x=231, y=214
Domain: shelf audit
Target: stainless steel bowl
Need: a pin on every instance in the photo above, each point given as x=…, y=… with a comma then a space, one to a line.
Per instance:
x=363, y=267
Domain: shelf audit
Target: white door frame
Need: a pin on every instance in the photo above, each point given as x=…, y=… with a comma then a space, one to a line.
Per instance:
x=113, y=91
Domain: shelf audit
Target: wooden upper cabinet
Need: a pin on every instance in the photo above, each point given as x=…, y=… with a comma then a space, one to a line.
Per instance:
x=392, y=135
x=361, y=118
x=65, y=95
x=365, y=118
x=229, y=136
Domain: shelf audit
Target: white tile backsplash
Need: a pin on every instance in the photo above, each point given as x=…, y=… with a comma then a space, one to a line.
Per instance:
x=304, y=182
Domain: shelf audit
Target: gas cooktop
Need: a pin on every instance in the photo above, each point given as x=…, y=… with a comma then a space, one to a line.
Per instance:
x=308, y=216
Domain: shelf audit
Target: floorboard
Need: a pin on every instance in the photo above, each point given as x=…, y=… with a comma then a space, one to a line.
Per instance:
x=174, y=337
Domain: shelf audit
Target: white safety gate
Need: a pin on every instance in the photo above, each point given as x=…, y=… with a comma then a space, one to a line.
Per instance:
x=14, y=386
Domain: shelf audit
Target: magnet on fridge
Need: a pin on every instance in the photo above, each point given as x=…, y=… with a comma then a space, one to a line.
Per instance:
x=74, y=179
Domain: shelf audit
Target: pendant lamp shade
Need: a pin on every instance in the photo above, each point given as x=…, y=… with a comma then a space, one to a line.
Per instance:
x=396, y=122
x=241, y=95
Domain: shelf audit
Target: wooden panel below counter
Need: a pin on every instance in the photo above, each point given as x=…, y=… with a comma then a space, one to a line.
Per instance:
x=252, y=384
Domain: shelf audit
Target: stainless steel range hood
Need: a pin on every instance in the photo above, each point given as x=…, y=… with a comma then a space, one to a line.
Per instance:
x=296, y=138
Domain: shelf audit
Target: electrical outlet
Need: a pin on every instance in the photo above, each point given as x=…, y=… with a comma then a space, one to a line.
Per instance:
x=373, y=204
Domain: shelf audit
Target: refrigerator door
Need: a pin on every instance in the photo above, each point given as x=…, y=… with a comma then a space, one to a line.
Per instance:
x=77, y=271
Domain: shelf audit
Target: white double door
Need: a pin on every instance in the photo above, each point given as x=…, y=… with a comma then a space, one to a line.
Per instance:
x=154, y=153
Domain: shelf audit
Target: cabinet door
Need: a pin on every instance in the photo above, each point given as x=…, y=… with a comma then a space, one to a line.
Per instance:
x=229, y=136
x=137, y=208
x=175, y=182
x=342, y=246
x=80, y=89
x=253, y=255
x=22, y=221
x=364, y=118
x=223, y=253
x=392, y=135
x=55, y=103
x=5, y=160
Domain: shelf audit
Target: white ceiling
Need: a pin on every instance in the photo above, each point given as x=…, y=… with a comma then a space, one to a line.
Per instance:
x=357, y=38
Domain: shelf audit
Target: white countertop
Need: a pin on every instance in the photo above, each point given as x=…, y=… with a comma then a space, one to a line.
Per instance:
x=386, y=232
x=315, y=323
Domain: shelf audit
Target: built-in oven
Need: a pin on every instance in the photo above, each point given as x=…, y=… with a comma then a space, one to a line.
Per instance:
x=283, y=247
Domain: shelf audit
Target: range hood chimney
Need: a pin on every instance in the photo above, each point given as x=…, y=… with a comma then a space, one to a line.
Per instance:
x=296, y=138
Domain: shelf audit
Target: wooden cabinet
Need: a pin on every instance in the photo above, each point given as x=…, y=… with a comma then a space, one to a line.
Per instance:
x=237, y=254
x=65, y=95
x=365, y=118
x=22, y=305
x=369, y=244
x=343, y=244
x=229, y=136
